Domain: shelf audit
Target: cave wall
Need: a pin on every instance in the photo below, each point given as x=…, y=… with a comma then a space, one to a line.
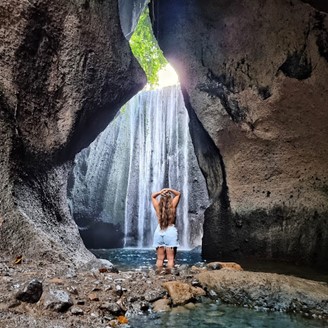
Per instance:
x=254, y=76
x=66, y=69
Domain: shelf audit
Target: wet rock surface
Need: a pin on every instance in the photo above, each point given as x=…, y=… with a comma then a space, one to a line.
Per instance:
x=66, y=301
x=267, y=291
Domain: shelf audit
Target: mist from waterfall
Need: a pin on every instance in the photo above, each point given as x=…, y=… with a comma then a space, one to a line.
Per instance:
x=146, y=148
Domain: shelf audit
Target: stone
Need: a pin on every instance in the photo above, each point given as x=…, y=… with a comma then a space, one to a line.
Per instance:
x=181, y=293
x=190, y=306
x=267, y=291
x=93, y=297
x=212, y=294
x=152, y=296
x=57, y=300
x=31, y=293
x=224, y=265
x=111, y=307
x=162, y=305
x=121, y=303
x=197, y=291
x=76, y=310
x=119, y=290
x=179, y=310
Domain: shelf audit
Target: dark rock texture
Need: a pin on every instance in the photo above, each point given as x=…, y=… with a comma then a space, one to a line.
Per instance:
x=66, y=69
x=268, y=291
x=254, y=77
x=31, y=293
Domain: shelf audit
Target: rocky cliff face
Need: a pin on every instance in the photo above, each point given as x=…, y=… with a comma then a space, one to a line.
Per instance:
x=66, y=69
x=254, y=77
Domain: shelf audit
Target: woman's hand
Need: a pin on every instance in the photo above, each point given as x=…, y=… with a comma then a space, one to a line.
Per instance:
x=164, y=191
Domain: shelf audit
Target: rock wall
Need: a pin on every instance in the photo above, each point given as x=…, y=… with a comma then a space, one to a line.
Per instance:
x=66, y=69
x=129, y=15
x=254, y=77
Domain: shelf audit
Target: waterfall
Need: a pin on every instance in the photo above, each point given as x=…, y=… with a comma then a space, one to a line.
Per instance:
x=146, y=148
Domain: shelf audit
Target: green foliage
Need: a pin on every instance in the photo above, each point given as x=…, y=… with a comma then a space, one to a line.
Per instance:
x=145, y=48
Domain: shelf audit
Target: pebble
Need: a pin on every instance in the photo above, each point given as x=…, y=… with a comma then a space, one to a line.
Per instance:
x=93, y=297
x=112, y=308
x=76, y=310
x=31, y=293
x=118, y=290
x=57, y=300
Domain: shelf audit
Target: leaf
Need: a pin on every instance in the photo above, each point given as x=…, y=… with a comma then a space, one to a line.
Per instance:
x=18, y=259
x=122, y=319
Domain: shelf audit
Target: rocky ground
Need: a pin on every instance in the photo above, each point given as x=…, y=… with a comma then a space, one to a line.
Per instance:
x=41, y=294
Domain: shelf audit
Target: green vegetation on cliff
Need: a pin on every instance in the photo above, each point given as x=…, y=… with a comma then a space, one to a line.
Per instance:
x=145, y=48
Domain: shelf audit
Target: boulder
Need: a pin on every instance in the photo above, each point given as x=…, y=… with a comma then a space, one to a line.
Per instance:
x=267, y=290
x=181, y=293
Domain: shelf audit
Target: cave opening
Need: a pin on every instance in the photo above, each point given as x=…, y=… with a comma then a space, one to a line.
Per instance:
x=146, y=147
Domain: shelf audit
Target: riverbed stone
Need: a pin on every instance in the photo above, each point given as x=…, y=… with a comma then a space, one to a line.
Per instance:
x=162, y=305
x=111, y=307
x=224, y=265
x=57, y=300
x=31, y=292
x=180, y=292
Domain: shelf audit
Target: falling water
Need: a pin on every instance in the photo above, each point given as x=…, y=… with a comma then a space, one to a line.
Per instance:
x=146, y=148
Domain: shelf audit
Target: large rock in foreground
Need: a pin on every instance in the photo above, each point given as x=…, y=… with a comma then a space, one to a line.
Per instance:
x=66, y=69
x=268, y=290
x=254, y=76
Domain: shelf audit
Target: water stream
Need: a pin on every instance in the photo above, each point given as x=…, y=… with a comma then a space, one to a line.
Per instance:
x=146, y=148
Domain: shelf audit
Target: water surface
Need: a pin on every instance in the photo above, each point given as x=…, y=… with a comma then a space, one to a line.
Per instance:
x=212, y=314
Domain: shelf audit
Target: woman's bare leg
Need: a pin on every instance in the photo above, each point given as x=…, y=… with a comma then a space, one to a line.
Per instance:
x=170, y=254
x=160, y=257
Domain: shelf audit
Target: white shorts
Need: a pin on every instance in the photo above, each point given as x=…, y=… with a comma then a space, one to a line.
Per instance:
x=166, y=238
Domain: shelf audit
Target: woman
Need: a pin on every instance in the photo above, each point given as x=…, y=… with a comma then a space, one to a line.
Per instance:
x=166, y=234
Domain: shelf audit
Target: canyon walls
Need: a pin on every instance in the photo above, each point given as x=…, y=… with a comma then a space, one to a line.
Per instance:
x=66, y=69
x=254, y=77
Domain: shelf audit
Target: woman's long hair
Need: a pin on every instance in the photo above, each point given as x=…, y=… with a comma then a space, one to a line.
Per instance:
x=165, y=211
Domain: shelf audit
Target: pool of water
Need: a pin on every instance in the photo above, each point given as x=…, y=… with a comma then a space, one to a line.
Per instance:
x=225, y=316
x=212, y=314
x=135, y=258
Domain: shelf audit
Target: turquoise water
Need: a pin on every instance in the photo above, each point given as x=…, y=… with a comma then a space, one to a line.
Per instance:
x=224, y=316
x=212, y=314
x=135, y=258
